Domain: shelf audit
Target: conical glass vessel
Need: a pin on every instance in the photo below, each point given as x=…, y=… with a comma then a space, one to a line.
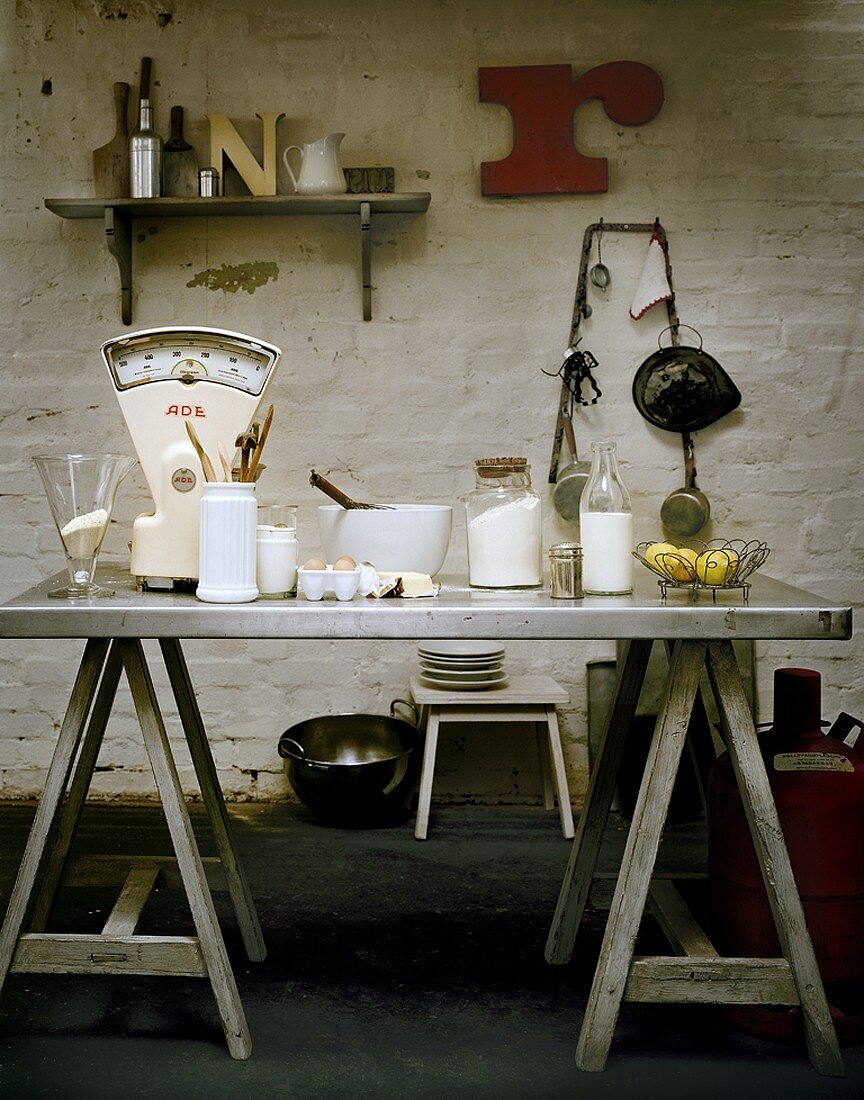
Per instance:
x=80, y=491
x=606, y=527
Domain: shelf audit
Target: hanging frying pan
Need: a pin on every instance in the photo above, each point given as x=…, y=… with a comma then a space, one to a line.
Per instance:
x=682, y=388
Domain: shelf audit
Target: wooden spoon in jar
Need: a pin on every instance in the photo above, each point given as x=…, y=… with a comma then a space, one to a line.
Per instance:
x=259, y=447
x=206, y=464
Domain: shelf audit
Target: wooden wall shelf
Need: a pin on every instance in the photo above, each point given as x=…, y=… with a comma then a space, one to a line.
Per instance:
x=117, y=215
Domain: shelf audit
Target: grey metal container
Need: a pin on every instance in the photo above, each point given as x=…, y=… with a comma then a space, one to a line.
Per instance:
x=145, y=157
x=565, y=571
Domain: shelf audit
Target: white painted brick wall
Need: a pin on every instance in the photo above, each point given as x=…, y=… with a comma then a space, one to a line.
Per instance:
x=753, y=165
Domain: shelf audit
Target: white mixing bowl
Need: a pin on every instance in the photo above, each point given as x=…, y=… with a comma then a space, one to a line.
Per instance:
x=413, y=537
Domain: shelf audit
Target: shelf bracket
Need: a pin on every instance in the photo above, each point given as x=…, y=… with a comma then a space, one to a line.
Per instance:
x=366, y=257
x=118, y=238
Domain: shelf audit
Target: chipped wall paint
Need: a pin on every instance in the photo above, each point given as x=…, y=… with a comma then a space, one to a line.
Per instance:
x=230, y=278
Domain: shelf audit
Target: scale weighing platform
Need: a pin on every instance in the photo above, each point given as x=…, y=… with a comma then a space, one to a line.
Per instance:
x=163, y=377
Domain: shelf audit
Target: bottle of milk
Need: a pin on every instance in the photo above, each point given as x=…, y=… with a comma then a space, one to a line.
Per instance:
x=606, y=527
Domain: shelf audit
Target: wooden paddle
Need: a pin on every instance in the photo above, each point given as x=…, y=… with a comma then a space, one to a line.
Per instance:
x=111, y=161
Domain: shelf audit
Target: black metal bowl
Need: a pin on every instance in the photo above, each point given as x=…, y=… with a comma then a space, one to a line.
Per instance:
x=354, y=769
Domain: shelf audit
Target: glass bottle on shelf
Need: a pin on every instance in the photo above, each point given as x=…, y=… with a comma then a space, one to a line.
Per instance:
x=606, y=527
x=505, y=531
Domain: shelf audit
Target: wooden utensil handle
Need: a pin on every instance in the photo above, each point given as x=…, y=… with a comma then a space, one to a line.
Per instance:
x=121, y=110
x=177, y=143
x=259, y=447
x=206, y=464
x=144, y=86
x=327, y=487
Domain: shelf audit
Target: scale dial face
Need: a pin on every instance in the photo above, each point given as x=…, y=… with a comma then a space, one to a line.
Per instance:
x=189, y=354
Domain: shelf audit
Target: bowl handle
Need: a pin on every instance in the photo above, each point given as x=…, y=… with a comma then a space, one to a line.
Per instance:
x=300, y=753
x=405, y=703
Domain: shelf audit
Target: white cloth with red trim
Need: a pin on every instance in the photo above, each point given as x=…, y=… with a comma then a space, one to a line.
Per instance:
x=653, y=285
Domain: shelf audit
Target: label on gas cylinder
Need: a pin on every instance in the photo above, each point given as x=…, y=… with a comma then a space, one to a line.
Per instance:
x=811, y=762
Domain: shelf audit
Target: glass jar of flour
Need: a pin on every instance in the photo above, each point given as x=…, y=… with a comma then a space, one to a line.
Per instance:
x=504, y=526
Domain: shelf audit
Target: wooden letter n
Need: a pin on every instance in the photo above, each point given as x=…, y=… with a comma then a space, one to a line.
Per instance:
x=226, y=142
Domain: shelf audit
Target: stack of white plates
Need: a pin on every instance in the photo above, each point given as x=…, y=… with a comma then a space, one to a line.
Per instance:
x=462, y=666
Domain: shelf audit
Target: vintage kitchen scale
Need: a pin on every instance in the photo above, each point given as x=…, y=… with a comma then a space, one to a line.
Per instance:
x=163, y=377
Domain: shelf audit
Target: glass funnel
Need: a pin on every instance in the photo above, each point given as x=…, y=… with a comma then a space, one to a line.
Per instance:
x=80, y=490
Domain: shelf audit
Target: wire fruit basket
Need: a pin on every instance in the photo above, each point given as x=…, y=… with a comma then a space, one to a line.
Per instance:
x=718, y=565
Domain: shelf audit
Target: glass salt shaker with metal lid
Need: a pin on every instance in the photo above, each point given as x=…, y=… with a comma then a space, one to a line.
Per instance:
x=504, y=523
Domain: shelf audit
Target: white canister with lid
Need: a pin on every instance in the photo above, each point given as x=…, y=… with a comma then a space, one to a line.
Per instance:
x=227, y=560
x=278, y=552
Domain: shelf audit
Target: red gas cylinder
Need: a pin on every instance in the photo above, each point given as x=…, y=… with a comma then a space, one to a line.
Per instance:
x=818, y=786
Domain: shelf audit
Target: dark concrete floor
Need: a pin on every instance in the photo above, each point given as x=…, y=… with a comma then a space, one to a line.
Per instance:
x=395, y=969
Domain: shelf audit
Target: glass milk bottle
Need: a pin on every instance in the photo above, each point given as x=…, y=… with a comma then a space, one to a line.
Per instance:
x=606, y=527
x=504, y=526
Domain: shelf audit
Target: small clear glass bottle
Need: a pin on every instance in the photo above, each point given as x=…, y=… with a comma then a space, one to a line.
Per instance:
x=504, y=523
x=606, y=527
x=145, y=157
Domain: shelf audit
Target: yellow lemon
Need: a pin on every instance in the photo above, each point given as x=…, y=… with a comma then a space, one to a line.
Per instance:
x=717, y=566
x=659, y=548
x=682, y=567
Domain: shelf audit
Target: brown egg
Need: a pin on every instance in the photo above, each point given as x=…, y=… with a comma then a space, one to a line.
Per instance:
x=314, y=563
x=345, y=563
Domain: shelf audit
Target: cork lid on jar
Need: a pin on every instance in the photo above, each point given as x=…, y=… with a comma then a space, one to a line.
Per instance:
x=500, y=467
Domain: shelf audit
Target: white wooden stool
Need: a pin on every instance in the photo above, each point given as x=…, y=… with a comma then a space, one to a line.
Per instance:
x=524, y=699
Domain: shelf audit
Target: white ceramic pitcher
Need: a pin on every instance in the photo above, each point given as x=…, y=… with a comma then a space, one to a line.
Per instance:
x=320, y=170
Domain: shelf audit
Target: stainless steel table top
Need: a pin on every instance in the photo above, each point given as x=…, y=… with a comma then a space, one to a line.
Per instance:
x=774, y=610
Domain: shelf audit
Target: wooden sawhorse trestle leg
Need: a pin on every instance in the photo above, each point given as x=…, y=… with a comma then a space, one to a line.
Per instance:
x=699, y=975
x=117, y=949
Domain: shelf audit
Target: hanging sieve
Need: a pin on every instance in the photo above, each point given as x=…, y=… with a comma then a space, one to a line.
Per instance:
x=682, y=388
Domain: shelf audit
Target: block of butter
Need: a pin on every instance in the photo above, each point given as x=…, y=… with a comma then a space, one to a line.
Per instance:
x=413, y=584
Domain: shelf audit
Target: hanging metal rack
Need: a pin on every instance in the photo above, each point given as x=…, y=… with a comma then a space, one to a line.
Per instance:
x=570, y=385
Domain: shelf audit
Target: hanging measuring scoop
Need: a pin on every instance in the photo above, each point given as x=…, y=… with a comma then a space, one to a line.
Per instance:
x=599, y=273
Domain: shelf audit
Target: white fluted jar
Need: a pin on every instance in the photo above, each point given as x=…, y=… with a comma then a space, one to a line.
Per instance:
x=227, y=556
